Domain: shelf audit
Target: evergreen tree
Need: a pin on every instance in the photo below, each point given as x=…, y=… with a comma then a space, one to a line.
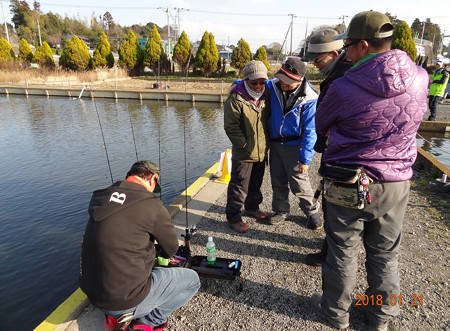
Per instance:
x=130, y=53
x=75, y=55
x=102, y=56
x=402, y=39
x=6, y=51
x=207, y=54
x=25, y=52
x=44, y=56
x=153, y=50
x=241, y=55
x=261, y=55
x=182, y=52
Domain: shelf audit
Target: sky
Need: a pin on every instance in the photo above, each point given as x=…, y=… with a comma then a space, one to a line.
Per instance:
x=259, y=22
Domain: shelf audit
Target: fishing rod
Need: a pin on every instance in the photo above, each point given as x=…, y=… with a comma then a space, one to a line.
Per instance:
x=132, y=132
x=103, y=136
x=190, y=230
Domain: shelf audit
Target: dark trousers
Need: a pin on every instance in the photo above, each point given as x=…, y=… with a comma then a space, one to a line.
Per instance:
x=433, y=101
x=244, y=188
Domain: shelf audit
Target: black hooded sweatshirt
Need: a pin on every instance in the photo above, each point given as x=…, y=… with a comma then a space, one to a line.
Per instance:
x=118, y=251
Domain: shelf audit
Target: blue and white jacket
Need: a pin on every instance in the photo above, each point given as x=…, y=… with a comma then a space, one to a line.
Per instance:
x=297, y=126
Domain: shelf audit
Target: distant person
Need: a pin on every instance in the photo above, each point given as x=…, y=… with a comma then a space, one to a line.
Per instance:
x=438, y=83
x=292, y=138
x=447, y=89
x=371, y=116
x=246, y=114
x=328, y=56
x=118, y=272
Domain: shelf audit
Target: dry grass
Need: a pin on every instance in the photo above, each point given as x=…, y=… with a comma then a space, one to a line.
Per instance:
x=44, y=76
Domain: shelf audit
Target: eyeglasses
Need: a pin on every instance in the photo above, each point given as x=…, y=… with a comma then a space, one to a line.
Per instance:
x=256, y=83
x=317, y=60
x=346, y=46
x=290, y=68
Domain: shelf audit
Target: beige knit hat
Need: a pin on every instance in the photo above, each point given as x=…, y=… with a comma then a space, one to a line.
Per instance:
x=255, y=70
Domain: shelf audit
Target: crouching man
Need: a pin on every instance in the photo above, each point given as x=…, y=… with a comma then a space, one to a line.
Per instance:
x=117, y=270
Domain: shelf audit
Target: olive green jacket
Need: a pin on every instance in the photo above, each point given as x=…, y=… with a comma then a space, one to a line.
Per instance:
x=246, y=125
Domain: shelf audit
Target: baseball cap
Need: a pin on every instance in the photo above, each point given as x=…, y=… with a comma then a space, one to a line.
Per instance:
x=255, y=70
x=153, y=167
x=440, y=62
x=322, y=42
x=292, y=70
x=366, y=25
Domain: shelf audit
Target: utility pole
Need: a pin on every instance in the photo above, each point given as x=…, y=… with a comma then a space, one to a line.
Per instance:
x=305, y=47
x=6, y=26
x=39, y=32
x=292, y=28
x=343, y=22
x=423, y=30
x=179, y=24
x=168, y=31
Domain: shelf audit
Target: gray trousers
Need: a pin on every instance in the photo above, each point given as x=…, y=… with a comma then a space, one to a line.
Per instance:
x=282, y=160
x=379, y=227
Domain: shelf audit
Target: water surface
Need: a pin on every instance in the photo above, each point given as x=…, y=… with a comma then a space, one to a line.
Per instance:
x=52, y=158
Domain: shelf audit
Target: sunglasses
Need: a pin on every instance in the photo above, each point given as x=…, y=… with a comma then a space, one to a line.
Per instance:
x=346, y=46
x=287, y=66
x=317, y=60
x=256, y=83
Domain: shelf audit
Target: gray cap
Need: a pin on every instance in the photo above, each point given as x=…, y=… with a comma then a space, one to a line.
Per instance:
x=255, y=70
x=367, y=25
x=291, y=71
x=322, y=42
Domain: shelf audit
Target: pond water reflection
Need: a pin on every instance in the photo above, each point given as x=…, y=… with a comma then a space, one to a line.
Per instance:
x=53, y=157
x=437, y=145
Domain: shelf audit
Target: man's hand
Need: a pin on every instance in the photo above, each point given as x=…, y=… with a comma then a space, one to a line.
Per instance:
x=302, y=168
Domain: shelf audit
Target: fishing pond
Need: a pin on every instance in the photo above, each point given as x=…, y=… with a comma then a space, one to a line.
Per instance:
x=54, y=155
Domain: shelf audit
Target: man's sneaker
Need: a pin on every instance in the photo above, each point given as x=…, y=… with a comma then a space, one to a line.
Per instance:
x=278, y=217
x=315, y=259
x=317, y=308
x=110, y=323
x=258, y=214
x=314, y=222
x=137, y=325
x=239, y=226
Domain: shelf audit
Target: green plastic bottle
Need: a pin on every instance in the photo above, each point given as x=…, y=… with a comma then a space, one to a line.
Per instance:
x=211, y=251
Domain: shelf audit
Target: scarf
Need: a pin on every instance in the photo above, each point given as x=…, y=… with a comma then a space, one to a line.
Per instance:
x=253, y=94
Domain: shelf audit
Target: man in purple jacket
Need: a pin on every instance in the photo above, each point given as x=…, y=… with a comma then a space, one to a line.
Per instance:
x=371, y=116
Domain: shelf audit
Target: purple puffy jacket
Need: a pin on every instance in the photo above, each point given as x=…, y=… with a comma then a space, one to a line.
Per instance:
x=372, y=115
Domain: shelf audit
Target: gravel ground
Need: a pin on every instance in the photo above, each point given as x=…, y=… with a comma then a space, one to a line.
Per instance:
x=277, y=285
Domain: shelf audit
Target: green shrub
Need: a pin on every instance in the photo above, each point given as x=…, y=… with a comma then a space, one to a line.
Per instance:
x=75, y=55
x=207, y=55
x=261, y=55
x=6, y=51
x=102, y=56
x=402, y=39
x=130, y=53
x=241, y=55
x=25, y=52
x=44, y=56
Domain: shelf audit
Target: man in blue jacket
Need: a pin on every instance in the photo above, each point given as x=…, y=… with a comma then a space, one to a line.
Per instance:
x=293, y=135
